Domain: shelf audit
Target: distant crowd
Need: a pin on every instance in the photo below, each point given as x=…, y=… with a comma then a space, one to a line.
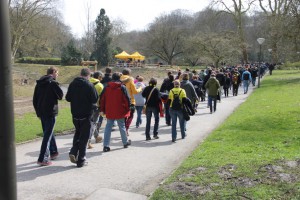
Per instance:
x=117, y=96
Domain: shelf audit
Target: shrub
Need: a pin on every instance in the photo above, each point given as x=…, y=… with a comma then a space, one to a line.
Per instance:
x=289, y=66
x=44, y=61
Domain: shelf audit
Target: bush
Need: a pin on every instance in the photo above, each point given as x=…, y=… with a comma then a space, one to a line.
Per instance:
x=44, y=61
x=289, y=66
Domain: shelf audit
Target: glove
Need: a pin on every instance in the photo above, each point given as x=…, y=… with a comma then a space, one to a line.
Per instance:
x=132, y=107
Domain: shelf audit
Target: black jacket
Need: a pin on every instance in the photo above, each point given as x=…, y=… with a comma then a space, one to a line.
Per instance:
x=83, y=97
x=188, y=109
x=46, y=94
x=107, y=78
x=167, y=85
x=154, y=99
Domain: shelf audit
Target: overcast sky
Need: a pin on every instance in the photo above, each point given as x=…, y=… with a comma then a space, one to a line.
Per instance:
x=136, y=13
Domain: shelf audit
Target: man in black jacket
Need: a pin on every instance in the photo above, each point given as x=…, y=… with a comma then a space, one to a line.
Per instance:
x=83, y=97
x=46, y=94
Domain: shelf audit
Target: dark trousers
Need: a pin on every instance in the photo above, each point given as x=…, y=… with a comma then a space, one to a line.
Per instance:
x=210, y=100
x=149, y=111
x=167, y=113
x=81, y=137
x=226, y=92
x=48, y=146
x=235, y=89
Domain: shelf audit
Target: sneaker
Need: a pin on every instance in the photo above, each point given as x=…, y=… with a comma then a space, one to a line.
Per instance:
x=148, y=138
x=173, y=140
x=54, y=156
x=72, y=158
x=84, y=163
x=106, y=149
x=47, y=163
x=155, y=137
x=90, y=146
x=128, y=144
x=98, y=139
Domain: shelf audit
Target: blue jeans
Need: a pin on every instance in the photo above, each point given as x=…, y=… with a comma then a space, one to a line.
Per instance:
x=174, y=114
x=139, y=110
x=246, y=85
x=107, y=131
x=210, y=100
x=253, y=81
x=149, y=111
x=48, y=146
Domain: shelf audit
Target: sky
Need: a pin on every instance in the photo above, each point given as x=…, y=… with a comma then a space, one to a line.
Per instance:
x=136, y=13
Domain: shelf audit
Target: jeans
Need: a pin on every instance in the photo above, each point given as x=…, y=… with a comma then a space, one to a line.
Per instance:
x=210, y=100
x=107, y=131
x=94, y=124
x=246, y=85
x=167, y=113
x=48, y=146
x=174, y=114
x=253, y=81
x=139, y=110
x=81, y=137
x=149, y=111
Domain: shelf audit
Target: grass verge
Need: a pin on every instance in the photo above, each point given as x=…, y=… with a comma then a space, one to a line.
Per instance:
x=254, y=154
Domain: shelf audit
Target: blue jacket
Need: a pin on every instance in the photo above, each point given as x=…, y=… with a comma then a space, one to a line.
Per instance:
x=243, y=75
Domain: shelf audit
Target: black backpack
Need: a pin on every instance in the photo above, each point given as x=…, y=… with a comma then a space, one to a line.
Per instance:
x=246, y=77
x=176, y=105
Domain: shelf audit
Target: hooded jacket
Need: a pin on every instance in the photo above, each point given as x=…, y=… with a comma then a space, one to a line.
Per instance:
x=131, y=90
x=83, y=96
x=114, y=101
x=213, y=86
x=46, y=94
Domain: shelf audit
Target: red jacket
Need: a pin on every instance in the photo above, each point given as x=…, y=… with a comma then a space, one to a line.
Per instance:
x=114, y=101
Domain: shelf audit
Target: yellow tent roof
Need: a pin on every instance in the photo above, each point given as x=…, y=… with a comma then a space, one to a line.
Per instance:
x=137, y=56
x=123, y=55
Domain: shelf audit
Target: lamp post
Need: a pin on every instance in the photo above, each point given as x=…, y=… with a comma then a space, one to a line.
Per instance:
x=260, y=42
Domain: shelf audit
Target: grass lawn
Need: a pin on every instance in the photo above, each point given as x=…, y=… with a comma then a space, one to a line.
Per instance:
x=254, y=154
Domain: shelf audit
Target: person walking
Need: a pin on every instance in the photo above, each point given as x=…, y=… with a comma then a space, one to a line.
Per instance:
x=127, y=80
x=246, y=78
x=165, y=88
x=212, y=86
x=82, y=95
x=152, y=94
x=96, y=121
x=139, y=101
x=46, y=94
x=115, y=105
x=176, y=96
x=189, y=88
x=227, y=84
x=236, y=81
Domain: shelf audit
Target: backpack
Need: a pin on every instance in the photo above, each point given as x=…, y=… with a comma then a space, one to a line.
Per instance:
x=246, y=76
x=235, y=78
x=176, y=105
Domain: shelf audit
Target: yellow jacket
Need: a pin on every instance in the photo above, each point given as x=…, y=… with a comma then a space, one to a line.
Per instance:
x=176, y=91
x=98, y=86
x=130, y=86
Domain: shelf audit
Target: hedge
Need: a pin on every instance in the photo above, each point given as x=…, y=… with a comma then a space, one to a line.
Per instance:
x=45, y=61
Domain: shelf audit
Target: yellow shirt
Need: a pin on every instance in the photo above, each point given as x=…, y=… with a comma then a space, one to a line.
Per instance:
x=176, y=91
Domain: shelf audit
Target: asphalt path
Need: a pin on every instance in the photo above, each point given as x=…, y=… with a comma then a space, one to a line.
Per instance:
x=132, y=173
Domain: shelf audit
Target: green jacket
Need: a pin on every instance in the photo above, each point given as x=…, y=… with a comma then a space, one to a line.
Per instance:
x=212, y=85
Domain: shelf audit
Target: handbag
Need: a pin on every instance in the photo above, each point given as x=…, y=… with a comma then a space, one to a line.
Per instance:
x=145, y=106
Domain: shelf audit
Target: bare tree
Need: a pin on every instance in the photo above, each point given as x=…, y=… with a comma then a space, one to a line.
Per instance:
x=237, y=10
x=23, y=14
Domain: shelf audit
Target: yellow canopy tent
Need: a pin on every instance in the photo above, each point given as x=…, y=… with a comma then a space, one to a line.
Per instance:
x=124, y=55
x=137, y=56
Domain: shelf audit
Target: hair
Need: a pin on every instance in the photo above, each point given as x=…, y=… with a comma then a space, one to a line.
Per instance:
x=85, y=72
x=169, y=73
x=195, y=77
x=185, y=76
x=152, y=82
x=171, y=77
x=51, y=70
x=126, y=71
x=107, y=70
x=98, y=74
x=176, y=83
x=187, y=69
x=116, y=76
x=140, y=79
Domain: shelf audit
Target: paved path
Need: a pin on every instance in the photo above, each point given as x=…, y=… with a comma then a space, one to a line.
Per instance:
x=132, y=173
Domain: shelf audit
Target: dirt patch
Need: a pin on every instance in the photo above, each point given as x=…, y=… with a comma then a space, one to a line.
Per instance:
x=188, y=188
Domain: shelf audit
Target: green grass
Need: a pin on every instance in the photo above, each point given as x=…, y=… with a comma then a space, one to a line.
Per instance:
x=252, y=146
x=28, y=126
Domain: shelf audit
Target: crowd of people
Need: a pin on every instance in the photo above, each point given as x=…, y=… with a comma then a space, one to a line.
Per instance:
x=117, y=96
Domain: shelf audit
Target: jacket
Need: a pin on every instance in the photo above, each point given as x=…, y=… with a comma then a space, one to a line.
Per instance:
x=114, y=101
x=131, y=90
x=139, y=99
x=166, y=86
x=154, y=99
x=189, y=90
x=46, y=94
x=107, y=78
x=213, y=86
x=188, y=109
x=83, y=96
x=176, y=90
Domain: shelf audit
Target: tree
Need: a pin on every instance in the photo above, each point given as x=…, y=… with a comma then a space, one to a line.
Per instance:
x=237, y=11
x=23, y=15
x=102, y=40
x=276, y=12
x=70, y=54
